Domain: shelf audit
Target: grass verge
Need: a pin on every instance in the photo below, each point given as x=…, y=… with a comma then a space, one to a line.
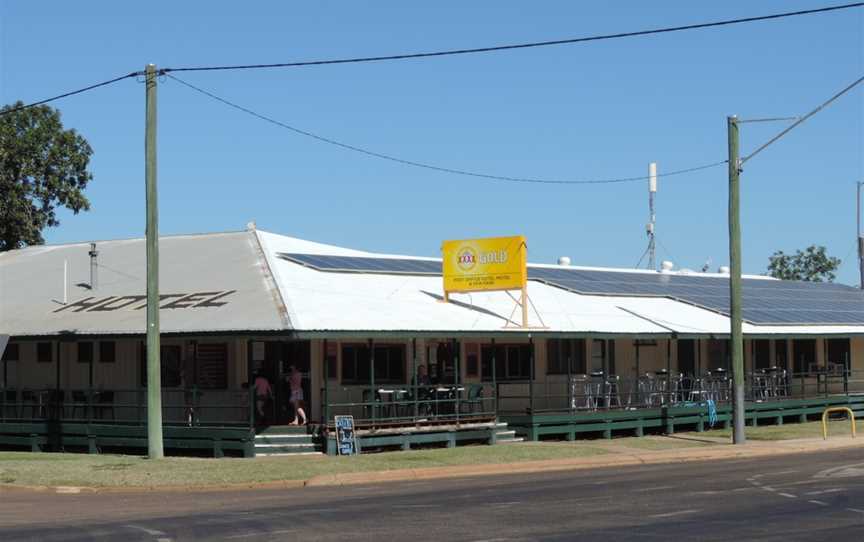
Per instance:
x=836, y=428
x=42, y=469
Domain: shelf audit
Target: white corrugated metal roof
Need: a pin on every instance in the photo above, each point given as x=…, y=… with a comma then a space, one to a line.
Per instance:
x=222, y=282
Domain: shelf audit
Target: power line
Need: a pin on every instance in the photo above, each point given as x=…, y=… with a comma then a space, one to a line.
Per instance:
x=769, y=119
x=72, y=93
x=426, y=165
x=451, y=52
x=802, y=119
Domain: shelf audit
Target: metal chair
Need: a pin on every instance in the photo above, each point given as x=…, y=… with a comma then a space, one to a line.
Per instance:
x=79, y=402
x=104, y=404
x=613, y=392
x=10, y=404
x=474, y=402
x=580, y=393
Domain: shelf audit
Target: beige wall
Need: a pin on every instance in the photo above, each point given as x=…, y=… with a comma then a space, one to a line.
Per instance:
x=124, y=372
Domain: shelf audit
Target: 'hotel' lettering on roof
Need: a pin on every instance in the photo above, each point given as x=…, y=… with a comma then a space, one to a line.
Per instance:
x=137, y=302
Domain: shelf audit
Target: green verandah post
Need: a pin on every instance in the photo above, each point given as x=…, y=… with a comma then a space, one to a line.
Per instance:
x=325, y=370
x=415, y=389
x=531, y=375
x=636, y=380
x=457, y=376
x=372, y=396
x=250, y=384
x=571, y=397
x=89, y=405
x=494, y=375
x=669, y=370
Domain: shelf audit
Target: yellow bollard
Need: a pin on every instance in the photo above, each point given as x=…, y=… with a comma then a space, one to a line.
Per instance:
x=836, y=409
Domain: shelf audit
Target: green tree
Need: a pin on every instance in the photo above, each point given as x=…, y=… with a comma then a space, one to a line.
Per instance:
x=42, y=167
x=812, y=265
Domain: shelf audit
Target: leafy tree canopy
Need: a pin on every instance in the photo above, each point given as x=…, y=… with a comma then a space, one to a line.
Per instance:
x=812, y=265
x=42, y=167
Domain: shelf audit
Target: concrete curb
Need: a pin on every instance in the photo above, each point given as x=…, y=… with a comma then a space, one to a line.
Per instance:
x=76, y=490
x=620, y=459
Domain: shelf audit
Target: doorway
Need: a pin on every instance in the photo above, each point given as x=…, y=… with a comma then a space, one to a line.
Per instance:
x=279, y=357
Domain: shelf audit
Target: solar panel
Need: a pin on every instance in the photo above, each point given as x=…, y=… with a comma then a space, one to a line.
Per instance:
x=764, y=301
x=362, y=264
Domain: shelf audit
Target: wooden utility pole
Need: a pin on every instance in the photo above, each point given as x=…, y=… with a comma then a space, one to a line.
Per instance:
x=155, y=448
x=735, y=335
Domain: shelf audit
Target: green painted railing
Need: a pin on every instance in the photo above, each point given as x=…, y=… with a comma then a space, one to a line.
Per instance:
x=188, y=407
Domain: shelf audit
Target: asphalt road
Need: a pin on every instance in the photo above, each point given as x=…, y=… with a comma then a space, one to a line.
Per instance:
x=792, y=497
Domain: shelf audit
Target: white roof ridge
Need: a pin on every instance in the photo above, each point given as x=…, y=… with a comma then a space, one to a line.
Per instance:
x=125, y=239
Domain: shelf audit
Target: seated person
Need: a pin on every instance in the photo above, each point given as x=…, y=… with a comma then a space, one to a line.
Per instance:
x=423, y=383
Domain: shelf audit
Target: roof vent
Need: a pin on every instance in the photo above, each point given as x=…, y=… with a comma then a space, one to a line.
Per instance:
x=94, y=266
x=564, y=260
x=250, y=226
x=724, y=270
x=666, y=266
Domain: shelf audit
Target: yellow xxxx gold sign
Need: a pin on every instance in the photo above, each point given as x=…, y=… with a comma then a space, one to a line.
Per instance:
x=495, y=263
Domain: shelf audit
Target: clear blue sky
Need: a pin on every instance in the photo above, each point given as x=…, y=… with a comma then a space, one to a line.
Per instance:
x=596, y=110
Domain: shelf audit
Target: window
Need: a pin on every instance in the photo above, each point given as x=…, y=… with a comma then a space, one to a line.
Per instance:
x=44, y=353
x=12, y=352
x=107, y=352
x=561, y=352
x=389, y=364
x=332, y=368
x=472, y=361
x=85, y=352
x=718, y=354
x=512, y=361
x=687, y=356
x=212, y=366
x=603, y=356
x=171, y=365
x=804, y=351
x=761, y=353
x=781, y=353
x=838, y=352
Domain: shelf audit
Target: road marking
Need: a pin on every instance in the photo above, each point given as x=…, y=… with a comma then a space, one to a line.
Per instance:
x=673, y=514
x=822, y=492
x=845, y=471
x=855, y=510
x=658, y=488
x=793, y=471
x=152, y=532
x=262, y=533
x=510, y=503
x=415, y=505
x=768, y=488
x=787, y=495
x=820, y=503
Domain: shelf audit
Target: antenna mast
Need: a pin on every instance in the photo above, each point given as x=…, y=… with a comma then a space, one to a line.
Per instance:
x=649, y=228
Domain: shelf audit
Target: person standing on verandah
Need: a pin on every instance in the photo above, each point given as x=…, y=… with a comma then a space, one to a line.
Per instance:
x=295, y=382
